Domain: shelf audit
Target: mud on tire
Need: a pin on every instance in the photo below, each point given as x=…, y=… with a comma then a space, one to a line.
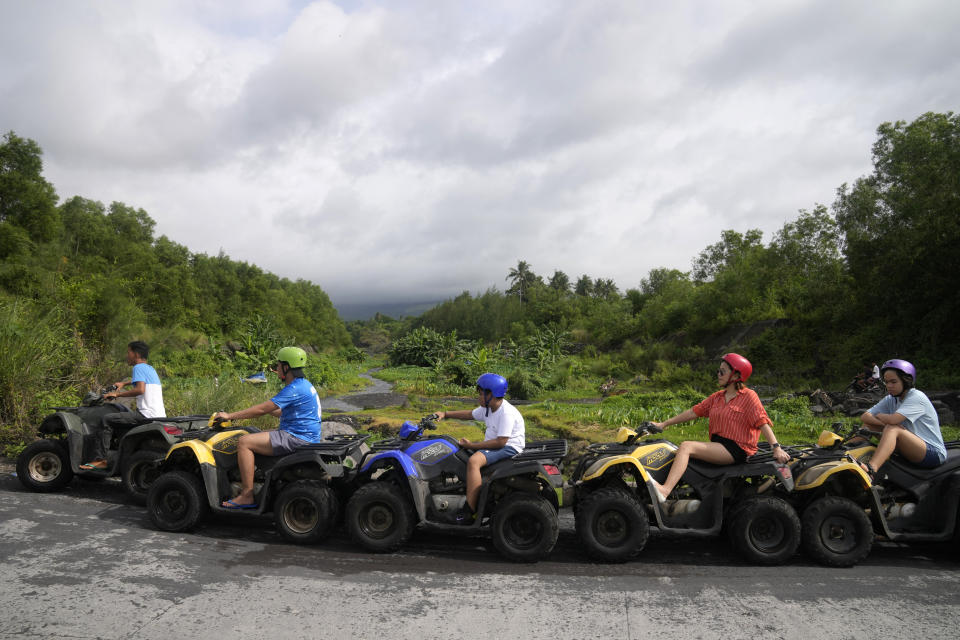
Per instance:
x=176, y=501
x=305, y=511
x=836, y=532
x=765, y=530
x=612, y=525
x=44, y=466
x=379, y=517
x=524, y=527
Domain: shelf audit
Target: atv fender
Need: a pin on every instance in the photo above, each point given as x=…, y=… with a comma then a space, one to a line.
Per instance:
x=402, y=459
x=601, y=466
x=195, y=449
x=532, y=469
x=817, y=475
x=61, y=422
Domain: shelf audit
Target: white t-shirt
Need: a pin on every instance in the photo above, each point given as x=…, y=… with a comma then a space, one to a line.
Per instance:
x=506, y=421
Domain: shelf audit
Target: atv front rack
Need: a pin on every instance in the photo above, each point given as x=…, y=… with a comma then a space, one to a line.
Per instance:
x=543, y=450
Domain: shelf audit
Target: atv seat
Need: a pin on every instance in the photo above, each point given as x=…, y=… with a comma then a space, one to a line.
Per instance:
x=951, y=464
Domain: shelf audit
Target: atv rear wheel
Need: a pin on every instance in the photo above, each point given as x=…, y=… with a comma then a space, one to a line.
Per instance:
x=612, y=525
x=524, y=527
x=176, y=501
x=44, y=466
x=766, y=530
x=304, y=511
x=139, y=472
x=379, y=517
x=836, y=532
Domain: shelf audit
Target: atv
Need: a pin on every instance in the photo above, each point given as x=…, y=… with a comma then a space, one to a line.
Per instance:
x=616, y=500
x=304, y=489
x=49, y=464
x=842, y=510
x=414, y=479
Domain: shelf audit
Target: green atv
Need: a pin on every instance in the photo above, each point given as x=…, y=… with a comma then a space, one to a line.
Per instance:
x=50, y=463
x=304, y=490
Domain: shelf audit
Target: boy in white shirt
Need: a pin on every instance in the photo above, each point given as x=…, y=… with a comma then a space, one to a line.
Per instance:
x=504, y=436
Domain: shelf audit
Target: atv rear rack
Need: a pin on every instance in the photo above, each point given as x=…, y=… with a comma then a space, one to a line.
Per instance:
x=543, y=450
x=338, y=444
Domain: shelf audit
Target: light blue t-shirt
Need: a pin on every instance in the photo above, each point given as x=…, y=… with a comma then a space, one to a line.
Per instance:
x=300, y=410
x=921, y=418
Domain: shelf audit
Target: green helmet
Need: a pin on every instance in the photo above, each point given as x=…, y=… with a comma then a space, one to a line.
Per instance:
x=293, y=356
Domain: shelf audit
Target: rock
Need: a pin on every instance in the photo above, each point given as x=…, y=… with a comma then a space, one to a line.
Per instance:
x=944, y=413
x=331, y=428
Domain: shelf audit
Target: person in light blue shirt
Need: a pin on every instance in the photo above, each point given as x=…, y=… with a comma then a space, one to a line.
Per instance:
x=298, y=407
x=149, y=398
x=907, y=419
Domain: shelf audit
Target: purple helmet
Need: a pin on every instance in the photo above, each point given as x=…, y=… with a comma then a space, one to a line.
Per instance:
x=900, y=365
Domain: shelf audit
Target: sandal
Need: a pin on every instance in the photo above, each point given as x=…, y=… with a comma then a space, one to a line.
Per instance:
x=870, y=471
x=95, y=465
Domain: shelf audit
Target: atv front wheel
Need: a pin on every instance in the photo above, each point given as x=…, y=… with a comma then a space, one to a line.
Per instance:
x=304, y=511
x=44, y=466
x=176, y=501
x=524, y=527
x=379, y=517
x=139, y=471
x=765, y=530
x=836, y=532
x=612, y=525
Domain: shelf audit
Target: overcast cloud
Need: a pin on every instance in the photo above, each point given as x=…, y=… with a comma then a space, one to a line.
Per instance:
x=408, y=151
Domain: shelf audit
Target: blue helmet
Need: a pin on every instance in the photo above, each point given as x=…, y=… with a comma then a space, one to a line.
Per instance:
x=495, y=384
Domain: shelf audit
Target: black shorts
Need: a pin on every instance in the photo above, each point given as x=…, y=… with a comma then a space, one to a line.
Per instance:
x=739, y=455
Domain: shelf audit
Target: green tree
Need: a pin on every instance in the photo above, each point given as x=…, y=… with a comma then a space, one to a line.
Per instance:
x=901, y=232
x=26, y=198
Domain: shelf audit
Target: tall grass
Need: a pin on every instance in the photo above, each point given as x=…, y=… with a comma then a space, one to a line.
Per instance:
x=42, y=363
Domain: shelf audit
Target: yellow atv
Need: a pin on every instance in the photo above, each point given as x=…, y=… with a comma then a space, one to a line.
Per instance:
x=304, y=490
x=616, y=500
x=842, y=509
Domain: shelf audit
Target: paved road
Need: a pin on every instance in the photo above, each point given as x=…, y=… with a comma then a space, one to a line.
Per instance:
x=85, y=564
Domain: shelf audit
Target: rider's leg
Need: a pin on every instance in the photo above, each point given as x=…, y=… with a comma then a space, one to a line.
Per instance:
x=707, y=451
x=476, y=462
x=250, y=444
x=896, y=438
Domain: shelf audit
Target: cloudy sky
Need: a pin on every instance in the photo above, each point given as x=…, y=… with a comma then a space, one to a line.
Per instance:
x=410, y=150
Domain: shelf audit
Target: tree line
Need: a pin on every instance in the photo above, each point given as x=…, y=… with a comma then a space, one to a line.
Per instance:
x=873, y=276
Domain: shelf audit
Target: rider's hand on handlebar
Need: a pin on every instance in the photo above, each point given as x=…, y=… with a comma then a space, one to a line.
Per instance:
x=439, y=415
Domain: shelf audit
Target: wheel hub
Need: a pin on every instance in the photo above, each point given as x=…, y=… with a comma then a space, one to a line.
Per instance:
x=44, y=467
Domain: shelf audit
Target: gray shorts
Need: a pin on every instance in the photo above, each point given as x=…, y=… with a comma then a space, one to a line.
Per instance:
x=284, y=443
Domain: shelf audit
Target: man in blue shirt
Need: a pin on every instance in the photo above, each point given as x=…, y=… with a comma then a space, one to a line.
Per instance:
x=149, y=394
x=298, y=407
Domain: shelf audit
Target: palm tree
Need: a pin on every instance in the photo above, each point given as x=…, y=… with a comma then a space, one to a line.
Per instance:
x=521, y=279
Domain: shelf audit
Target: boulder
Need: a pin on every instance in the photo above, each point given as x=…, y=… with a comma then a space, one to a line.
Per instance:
x=331, y=428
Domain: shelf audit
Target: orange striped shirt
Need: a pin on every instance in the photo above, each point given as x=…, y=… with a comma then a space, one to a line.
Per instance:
x=738, y=420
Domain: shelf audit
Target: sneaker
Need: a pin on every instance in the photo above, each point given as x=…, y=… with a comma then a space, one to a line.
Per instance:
x=465, y=516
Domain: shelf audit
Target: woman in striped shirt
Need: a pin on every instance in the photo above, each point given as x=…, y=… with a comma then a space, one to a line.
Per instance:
x=737, y=418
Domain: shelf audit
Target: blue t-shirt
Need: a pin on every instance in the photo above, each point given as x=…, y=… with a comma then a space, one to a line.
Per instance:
x=921, y=418
x=300, y=410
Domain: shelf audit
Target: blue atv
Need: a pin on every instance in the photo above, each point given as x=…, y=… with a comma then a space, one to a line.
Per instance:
x=415, y=479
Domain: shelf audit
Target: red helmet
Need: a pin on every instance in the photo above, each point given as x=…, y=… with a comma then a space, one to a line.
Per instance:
x=739, y=364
